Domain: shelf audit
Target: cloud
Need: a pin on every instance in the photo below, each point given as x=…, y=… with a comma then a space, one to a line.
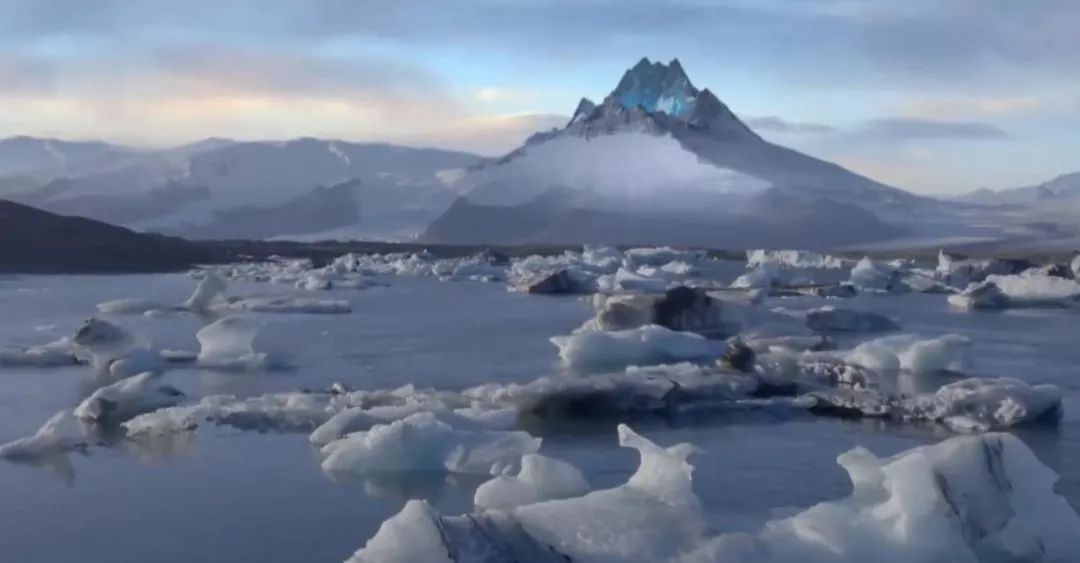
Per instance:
x=779, y=125
x=902, y=129
x=972, y=106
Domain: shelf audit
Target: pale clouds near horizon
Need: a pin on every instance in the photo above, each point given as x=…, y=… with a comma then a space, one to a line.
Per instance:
x=932, y=96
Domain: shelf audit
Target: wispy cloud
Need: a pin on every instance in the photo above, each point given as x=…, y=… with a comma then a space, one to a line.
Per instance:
x=901, y=129
x=780, y=125
x=953, y=107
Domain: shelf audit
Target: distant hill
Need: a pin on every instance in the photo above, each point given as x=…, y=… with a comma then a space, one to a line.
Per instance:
x=221, y=188
x=36, y=241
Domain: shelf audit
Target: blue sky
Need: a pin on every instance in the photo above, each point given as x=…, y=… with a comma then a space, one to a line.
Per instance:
x=935, y=96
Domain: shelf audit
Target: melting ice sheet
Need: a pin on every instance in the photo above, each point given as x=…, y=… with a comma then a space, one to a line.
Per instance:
x=975, y=499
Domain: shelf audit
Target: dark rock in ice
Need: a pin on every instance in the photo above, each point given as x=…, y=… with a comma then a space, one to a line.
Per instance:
x=739, y=356
x=840, y=290
x=554, y=283
x=1057, y=271
x=687, y=309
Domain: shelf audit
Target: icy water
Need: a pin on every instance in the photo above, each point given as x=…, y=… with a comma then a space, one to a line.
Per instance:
x=229, y=495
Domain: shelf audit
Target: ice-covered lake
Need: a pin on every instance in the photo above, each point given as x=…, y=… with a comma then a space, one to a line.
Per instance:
x=225, y=494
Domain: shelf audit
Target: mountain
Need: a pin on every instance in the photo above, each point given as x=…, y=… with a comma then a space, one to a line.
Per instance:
x=36, y=241
x=220, y=188
x=660, y=151
x=1062, y=189
x=46, y=159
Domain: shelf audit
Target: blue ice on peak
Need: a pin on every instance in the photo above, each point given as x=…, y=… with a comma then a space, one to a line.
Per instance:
x=657, y=87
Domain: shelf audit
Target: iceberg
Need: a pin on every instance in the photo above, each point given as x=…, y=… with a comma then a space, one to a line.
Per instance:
x=868, y=275
x=1037, y=290
x=652, y=517
x=228, y=344
x=422, y=443
x=907, y=352
x=103, y=341
x=60, y=434
x=970, y=405
x=540, y=478
x=985, y=295
x=795, y=259
x=967, y=499
x=646, y=345
x=128, y=398
x=210, y=289
x=58, y=353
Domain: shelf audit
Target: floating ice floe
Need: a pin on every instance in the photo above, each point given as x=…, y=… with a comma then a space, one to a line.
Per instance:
x=540, y=478
x=228, y=344
x=960, y=271
x=868, y=275
x=128, y=398
x=422, y=443
x=967, y=499
x=49, y=446
x=60, y=434
x=645, y=345
x=980, y=296
x=103, y=341
x=950, y=352
x=210, y=288
x=680, y=308
x=291, y=305
x=970, y=405
x=1029, y=290
x=625, y=281
x=788, y=268
x=649, y=518
x=1037, y=290
x=60, y=352
x=829, y=319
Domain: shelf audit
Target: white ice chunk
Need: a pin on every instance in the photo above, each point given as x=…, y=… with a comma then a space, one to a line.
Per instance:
x=646, y=345
x=228, y=344
x=60, y=352
x=422, y=443
x=945, y=353
x=59, y=434
x=104, y=341
x=1035, y=289
x=540, y=478
x=978, y=404
x=868, y=275
x=209, y=290
x=128, y=398
x=653, y=517
x=794, y=258
x=965, y=500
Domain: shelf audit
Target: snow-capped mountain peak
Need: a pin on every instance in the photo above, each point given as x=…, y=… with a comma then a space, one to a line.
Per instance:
x=657, y=87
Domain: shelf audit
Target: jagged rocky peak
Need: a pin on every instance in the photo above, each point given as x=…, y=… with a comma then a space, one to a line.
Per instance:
x=655, y=86
x=584, y=109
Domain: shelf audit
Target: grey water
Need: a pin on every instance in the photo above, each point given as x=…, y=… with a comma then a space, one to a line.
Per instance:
x=230, y=495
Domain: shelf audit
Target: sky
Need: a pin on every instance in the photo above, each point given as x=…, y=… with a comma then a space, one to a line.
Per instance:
x=934, y=96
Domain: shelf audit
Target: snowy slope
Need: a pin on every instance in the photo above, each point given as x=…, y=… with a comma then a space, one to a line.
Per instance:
x=1061, y=188
x=219, y=188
